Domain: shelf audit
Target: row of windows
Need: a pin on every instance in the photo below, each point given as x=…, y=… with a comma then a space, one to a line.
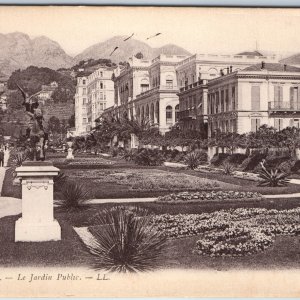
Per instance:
x=222, y=101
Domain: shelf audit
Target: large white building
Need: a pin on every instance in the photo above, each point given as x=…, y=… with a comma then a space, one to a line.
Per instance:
x=244, y=100
x=94, y=93
x=82, y=122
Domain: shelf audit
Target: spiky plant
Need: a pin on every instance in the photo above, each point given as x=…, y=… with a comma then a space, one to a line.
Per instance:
x=273, y=178
x=126, y=241
x=74, y=195
x=228, y=168
x=193, y=160
x=60, y=180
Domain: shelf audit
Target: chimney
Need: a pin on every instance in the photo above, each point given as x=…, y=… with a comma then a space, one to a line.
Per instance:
x=230, y=68
x=227, y=70
x=284, y=67
x=262, y=65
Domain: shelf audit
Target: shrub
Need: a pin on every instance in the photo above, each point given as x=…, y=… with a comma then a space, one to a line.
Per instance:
x=126, y=241
x=74, y=195
x=129, y=155
x=273, y=178
x=286, y=166
x=114, y=151
x=236, y=158
x=274, y=162
x=228, y=168
x=218, y=159
x=296, y=167
x=149, y=157
x=193, y=160
x=18, y=158
x=253, y=161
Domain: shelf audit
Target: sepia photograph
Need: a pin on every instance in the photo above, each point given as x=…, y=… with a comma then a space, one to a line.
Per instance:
x=149, y=151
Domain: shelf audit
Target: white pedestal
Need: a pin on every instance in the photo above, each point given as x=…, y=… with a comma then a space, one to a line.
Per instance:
x=37, y=223
x=70, y=154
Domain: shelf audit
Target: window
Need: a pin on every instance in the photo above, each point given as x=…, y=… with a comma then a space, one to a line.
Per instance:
x=255, y=97
x=101, y=96
x=101, y=85
x=255, y=124
x=233, y=98
x=295, y=123
x=101, y=74
x=101, y=106
x=169, y=82
x=83, y=81
x=294, y=98
x=169, y=114
x=278, y=124
x=278, y=94
x=84, y=91
x=84, y=120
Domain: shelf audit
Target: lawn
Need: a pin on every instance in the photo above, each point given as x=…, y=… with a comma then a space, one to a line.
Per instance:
x=179, y=252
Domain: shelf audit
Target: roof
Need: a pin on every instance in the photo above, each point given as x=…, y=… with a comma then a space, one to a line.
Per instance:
x=250, y=53
x=293, y=59
x=273, y=67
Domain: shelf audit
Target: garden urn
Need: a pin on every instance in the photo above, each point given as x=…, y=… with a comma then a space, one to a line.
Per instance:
x=70, y=151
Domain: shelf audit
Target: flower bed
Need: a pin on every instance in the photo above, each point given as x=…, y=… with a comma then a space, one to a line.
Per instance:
x=232, y=232
x=234, y=241
x=209, y=196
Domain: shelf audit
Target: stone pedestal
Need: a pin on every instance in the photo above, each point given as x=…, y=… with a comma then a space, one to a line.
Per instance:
x=37, y=223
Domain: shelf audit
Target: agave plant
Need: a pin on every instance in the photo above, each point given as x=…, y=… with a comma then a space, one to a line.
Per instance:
x=273, y=178
x=193, y=160
x=126, y=241
x=74, y=196
x=228, y=168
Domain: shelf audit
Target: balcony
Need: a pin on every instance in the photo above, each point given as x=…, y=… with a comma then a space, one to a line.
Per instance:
x=187, y=114
x=284, y=107
x=191, y=86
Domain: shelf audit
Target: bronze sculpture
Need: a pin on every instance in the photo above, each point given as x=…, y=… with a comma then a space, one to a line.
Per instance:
x=36, y=131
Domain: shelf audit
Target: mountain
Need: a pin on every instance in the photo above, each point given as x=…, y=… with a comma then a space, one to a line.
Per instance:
x=125, y=50
x=19, y=51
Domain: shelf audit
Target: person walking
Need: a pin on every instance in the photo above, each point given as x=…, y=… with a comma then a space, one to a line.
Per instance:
x=1, y=158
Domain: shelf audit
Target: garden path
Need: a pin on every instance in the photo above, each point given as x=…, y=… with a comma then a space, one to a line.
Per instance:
x=8, y=206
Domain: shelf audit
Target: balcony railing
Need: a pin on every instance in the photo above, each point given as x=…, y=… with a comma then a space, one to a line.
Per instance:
x=192, y=85
x=187, y=114
x=284, y=106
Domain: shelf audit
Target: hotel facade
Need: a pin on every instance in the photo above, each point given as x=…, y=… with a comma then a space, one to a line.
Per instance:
x=94, y=93
x=242, y=101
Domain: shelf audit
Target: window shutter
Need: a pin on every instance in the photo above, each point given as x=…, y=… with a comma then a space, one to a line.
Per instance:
x=257, y=124
x=253, y=125
x=292, y=97
x=291, y=122
x=255, y=98
x=276, y=124
x=280, y=93
x=276, y=94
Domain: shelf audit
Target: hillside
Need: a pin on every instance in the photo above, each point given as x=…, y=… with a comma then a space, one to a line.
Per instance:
x=19, y=51
x=125, y=50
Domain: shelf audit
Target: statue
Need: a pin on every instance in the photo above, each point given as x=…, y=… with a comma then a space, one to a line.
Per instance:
x=35, y=132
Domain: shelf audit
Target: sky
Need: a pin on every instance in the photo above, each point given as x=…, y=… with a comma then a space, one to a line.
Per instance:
x=198, y=30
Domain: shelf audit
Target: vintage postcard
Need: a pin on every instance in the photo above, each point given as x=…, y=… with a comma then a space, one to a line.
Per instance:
x=149, y=152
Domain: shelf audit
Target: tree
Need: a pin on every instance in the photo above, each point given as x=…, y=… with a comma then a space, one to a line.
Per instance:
x=139, y=55
x=71, y=121
x=54, y=125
